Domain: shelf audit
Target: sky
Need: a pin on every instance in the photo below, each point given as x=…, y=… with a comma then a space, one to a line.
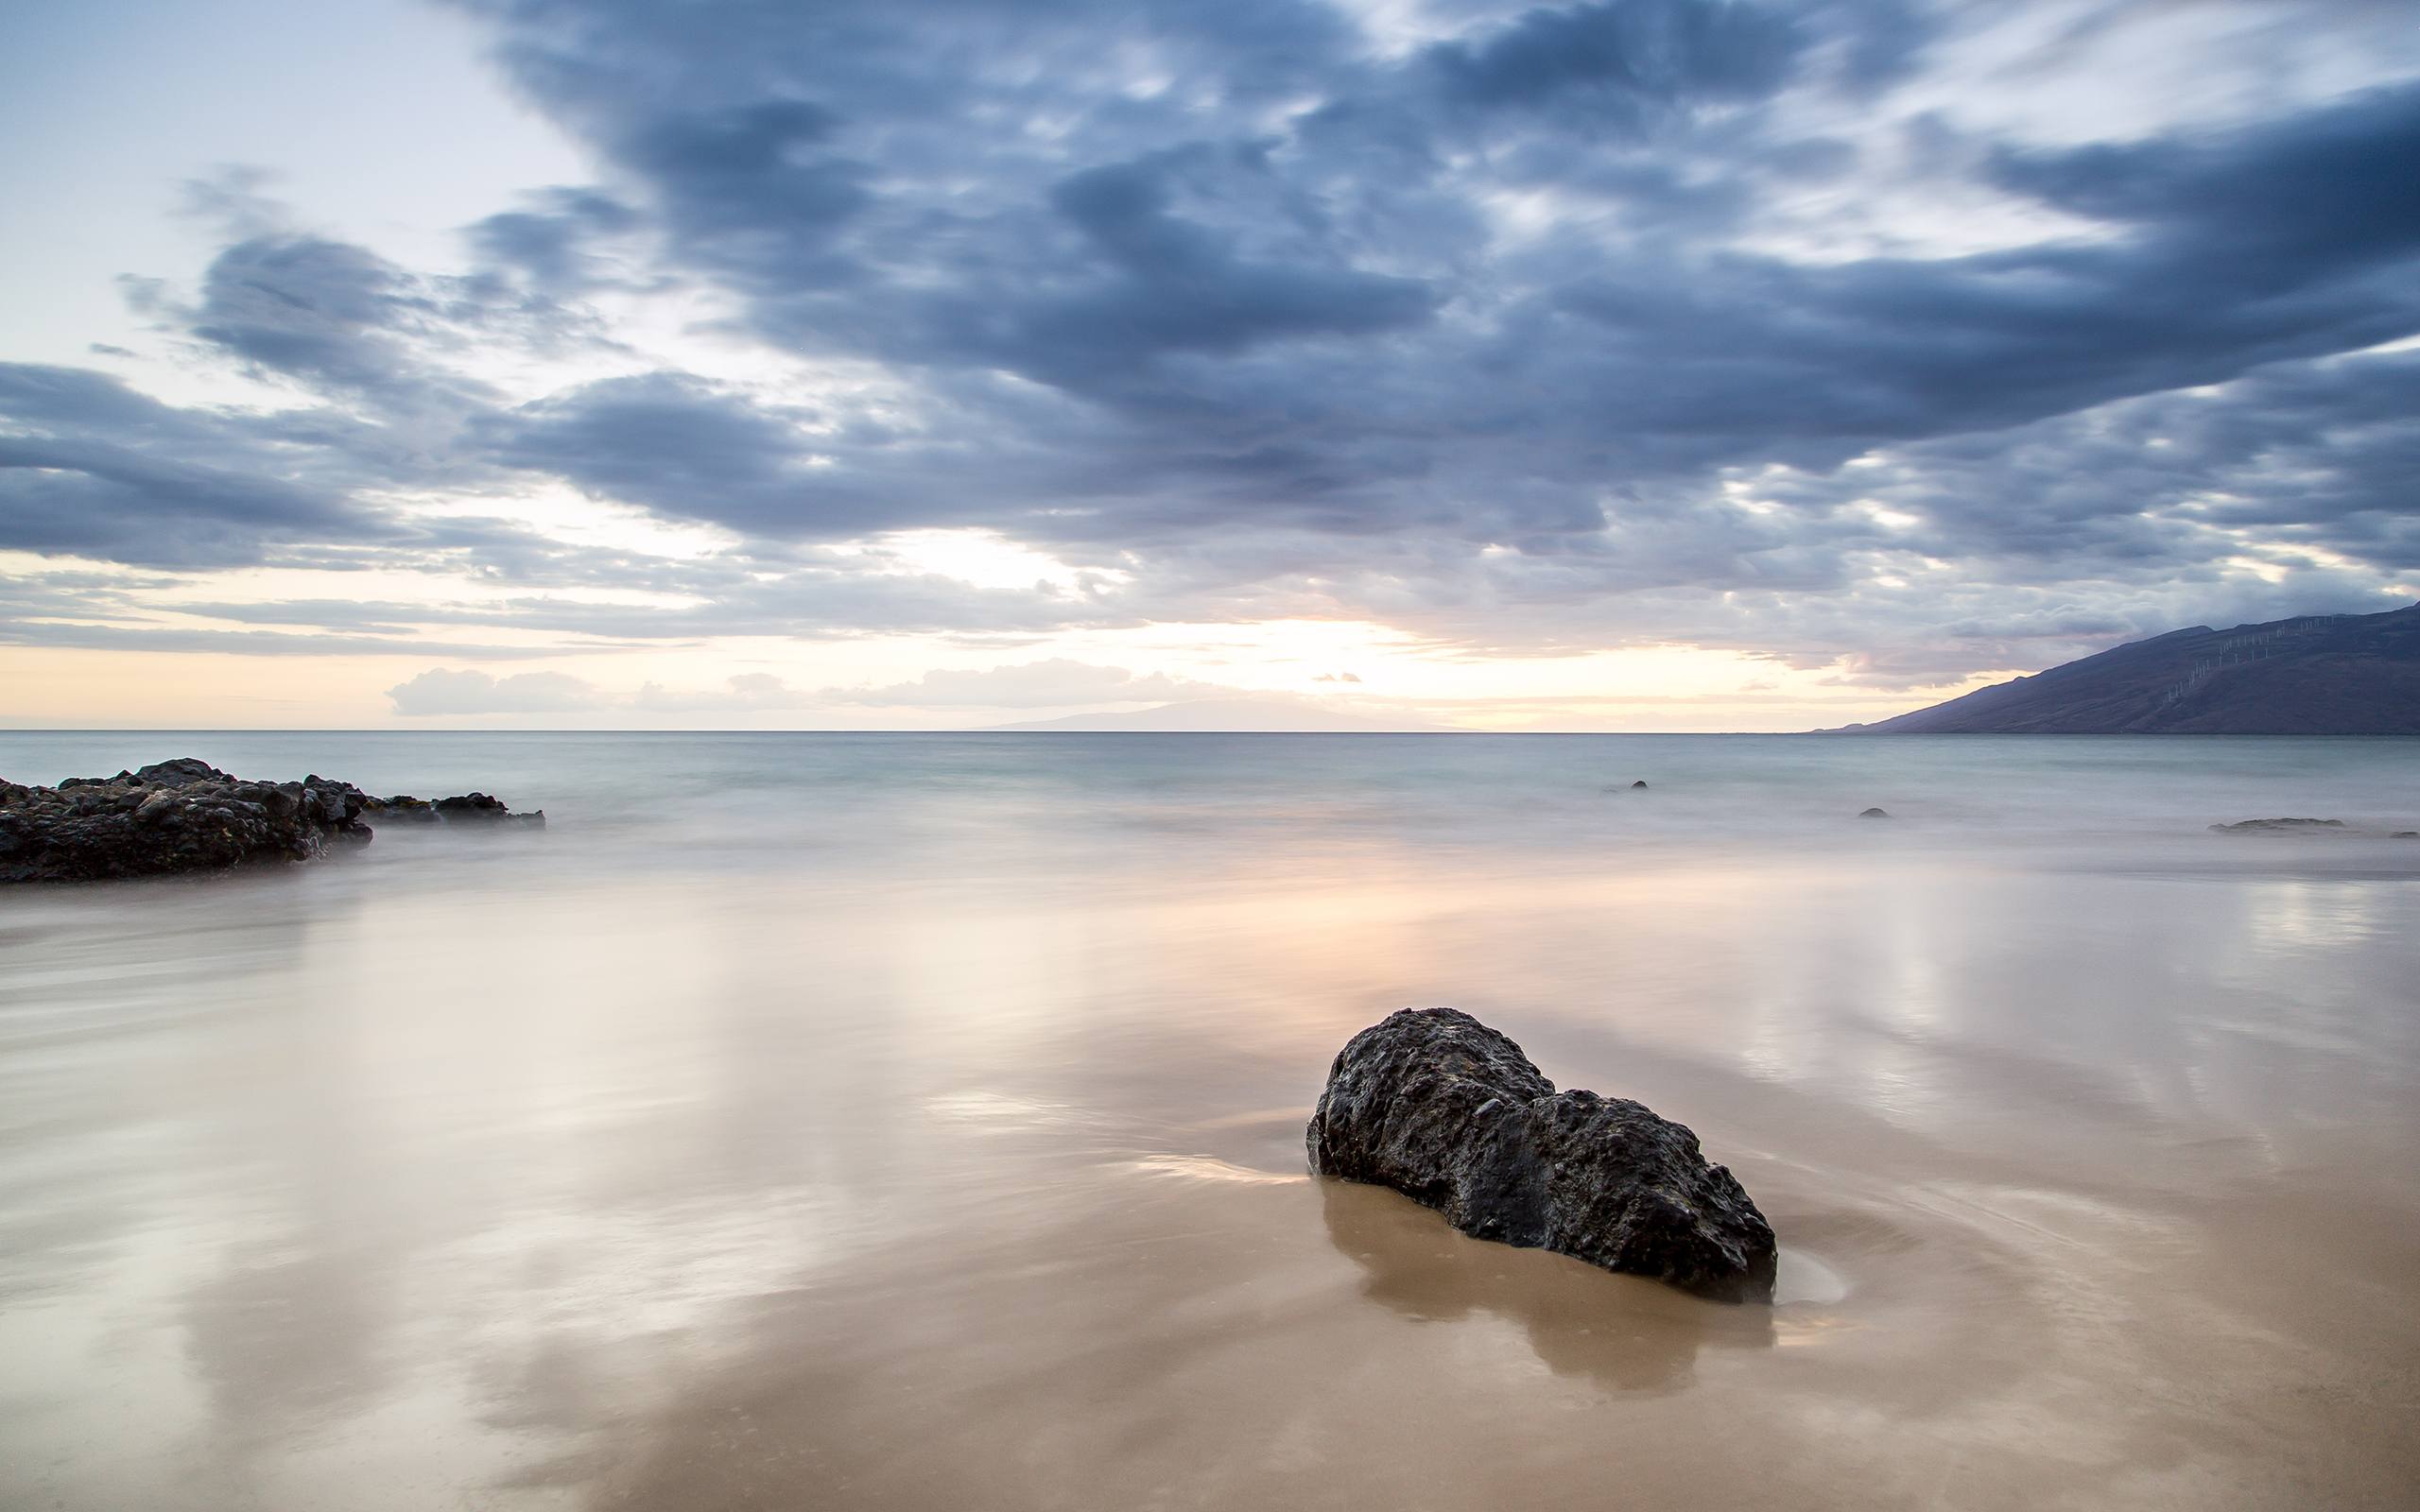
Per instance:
x=1644, y=365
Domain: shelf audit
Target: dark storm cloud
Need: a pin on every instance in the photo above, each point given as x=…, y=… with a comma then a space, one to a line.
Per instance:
x=338, y=322
x=551, y=243
x=2285, y=241
x=88, y=467
x=1616, y=61
x=89, y=498
x=1181, y=287
x=1244, y=301
x=2282, y=205
x=307, y=308
x=746, y=190
x=2315, y=455
x=1517, y=333
x=664, y=440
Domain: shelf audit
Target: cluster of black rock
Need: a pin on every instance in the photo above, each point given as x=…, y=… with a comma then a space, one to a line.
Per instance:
x=2239, y=826
x=2304, y=827
x=1450, y=1113
x=188, y=816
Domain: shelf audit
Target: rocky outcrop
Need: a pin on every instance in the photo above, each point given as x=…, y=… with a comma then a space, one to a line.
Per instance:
x=2323, y=827
x=188, y=815
x=2281, y=827
x=1449, y=1112
x=1875, y=814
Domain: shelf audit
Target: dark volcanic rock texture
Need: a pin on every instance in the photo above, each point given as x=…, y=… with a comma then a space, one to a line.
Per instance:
x=188, y=815
x=1449, y=1112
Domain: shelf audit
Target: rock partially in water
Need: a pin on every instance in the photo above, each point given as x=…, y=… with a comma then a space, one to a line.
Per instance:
x=183, y=771
x=188, y=815
x=2280, y=827
x=1449, y=1112
x=477, y=808
x=1875, y=814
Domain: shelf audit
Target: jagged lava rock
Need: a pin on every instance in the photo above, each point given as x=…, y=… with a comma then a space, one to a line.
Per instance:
x=1450, y=1113
x=178, y=816
x=188, y=815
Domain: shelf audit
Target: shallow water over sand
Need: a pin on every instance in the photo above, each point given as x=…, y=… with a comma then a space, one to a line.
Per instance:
x=915, y=1122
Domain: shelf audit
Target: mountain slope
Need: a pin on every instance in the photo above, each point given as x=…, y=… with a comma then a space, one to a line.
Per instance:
x=2318, y=674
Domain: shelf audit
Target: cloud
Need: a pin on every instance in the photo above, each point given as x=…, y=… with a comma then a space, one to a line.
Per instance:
x=1054, y=684
x=1792, y=327
x=91, y=467
x=439, y=691
x=306, y=307
x=1250, y=318
x=1617, y=62
x=745, y=691
x=552, y=244
x=678, y=445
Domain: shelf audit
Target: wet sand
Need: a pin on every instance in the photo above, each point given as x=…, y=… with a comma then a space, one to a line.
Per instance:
x=502, y=1179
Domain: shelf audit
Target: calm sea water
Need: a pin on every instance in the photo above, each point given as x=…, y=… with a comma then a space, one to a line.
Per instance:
x=913, y=1120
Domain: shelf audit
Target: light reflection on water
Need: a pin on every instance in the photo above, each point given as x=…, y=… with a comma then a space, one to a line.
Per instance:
x=903, y=1122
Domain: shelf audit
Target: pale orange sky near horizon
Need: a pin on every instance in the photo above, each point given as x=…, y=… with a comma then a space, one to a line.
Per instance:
x=1673, y=689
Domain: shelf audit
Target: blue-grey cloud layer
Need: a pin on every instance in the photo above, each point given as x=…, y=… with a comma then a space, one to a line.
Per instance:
x=1226, y=298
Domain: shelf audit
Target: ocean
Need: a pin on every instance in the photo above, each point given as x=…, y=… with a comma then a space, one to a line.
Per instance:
x=914, y=1121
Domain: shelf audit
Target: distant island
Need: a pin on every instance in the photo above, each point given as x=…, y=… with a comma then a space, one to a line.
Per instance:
x=2316, y=675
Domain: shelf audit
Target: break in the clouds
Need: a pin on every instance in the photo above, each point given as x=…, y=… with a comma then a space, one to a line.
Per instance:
x=1906, y=340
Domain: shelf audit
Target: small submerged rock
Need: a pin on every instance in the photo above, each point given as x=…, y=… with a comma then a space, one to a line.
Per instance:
x=188, y=815
x=1449, y=1112
x=1875, y=814
x=1641, y=783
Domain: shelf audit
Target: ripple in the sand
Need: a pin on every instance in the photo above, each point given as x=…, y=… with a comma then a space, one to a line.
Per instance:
x=997, y=1112
x=1210, y=1168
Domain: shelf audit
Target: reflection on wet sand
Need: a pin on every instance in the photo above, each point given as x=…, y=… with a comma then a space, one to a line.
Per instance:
x=686, y=1184
x=1618, y=1332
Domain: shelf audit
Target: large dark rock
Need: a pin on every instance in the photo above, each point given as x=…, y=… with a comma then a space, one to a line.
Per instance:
x=1449, y=1112
x=188, y=815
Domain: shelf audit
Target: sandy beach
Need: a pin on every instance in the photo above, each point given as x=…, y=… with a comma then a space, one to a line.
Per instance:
x=650, y=1164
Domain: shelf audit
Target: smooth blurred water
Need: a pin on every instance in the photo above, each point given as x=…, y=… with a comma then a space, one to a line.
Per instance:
x=1014, y=801
x=914, y=1121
